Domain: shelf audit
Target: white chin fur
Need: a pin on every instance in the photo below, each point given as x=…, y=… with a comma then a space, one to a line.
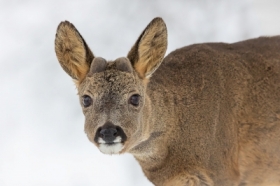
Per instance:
x=111, y=149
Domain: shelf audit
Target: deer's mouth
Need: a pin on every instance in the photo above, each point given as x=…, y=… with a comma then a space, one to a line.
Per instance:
x=113, y=147
x=118, y=139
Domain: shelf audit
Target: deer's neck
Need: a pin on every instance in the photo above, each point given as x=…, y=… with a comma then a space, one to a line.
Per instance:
x=152, y=151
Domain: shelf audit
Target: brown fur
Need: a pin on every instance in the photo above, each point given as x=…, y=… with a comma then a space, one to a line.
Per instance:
x=210, y=114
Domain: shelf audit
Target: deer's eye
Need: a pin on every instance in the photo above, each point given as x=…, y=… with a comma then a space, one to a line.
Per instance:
x=134, y=99
x=86, y=100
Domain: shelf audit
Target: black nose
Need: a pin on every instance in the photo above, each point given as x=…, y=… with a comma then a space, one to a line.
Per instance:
x=108, y=134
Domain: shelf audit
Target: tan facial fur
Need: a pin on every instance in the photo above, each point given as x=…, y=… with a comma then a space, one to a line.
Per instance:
x=207, y=114
x=110, y=91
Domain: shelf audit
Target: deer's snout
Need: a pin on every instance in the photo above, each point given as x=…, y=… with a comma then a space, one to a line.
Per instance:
x=110, y=134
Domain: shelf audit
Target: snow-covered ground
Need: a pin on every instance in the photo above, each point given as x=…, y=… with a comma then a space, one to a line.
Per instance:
x=41, y=124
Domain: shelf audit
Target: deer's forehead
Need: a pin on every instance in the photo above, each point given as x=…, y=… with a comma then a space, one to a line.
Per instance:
x=110, y=82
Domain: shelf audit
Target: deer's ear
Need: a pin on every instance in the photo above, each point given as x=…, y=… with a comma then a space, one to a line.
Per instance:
x=72, y=52
x=147, y=53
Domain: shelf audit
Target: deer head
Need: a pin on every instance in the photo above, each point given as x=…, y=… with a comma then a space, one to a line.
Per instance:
x=113, y=93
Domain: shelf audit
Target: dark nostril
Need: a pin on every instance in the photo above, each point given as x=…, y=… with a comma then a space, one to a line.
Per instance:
x=115, y=133
x=121, y=133
x=118, y=129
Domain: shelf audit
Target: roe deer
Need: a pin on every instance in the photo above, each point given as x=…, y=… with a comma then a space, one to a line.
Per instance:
x=207, y=114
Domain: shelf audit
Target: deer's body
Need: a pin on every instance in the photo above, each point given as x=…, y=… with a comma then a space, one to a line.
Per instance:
x=208, y=115
x=220, y=104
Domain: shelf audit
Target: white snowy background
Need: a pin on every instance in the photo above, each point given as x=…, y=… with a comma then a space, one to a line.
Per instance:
x=41, y=123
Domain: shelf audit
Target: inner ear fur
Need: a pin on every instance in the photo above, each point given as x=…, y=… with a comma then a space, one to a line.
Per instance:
x=72, y=52
x=147, y=53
